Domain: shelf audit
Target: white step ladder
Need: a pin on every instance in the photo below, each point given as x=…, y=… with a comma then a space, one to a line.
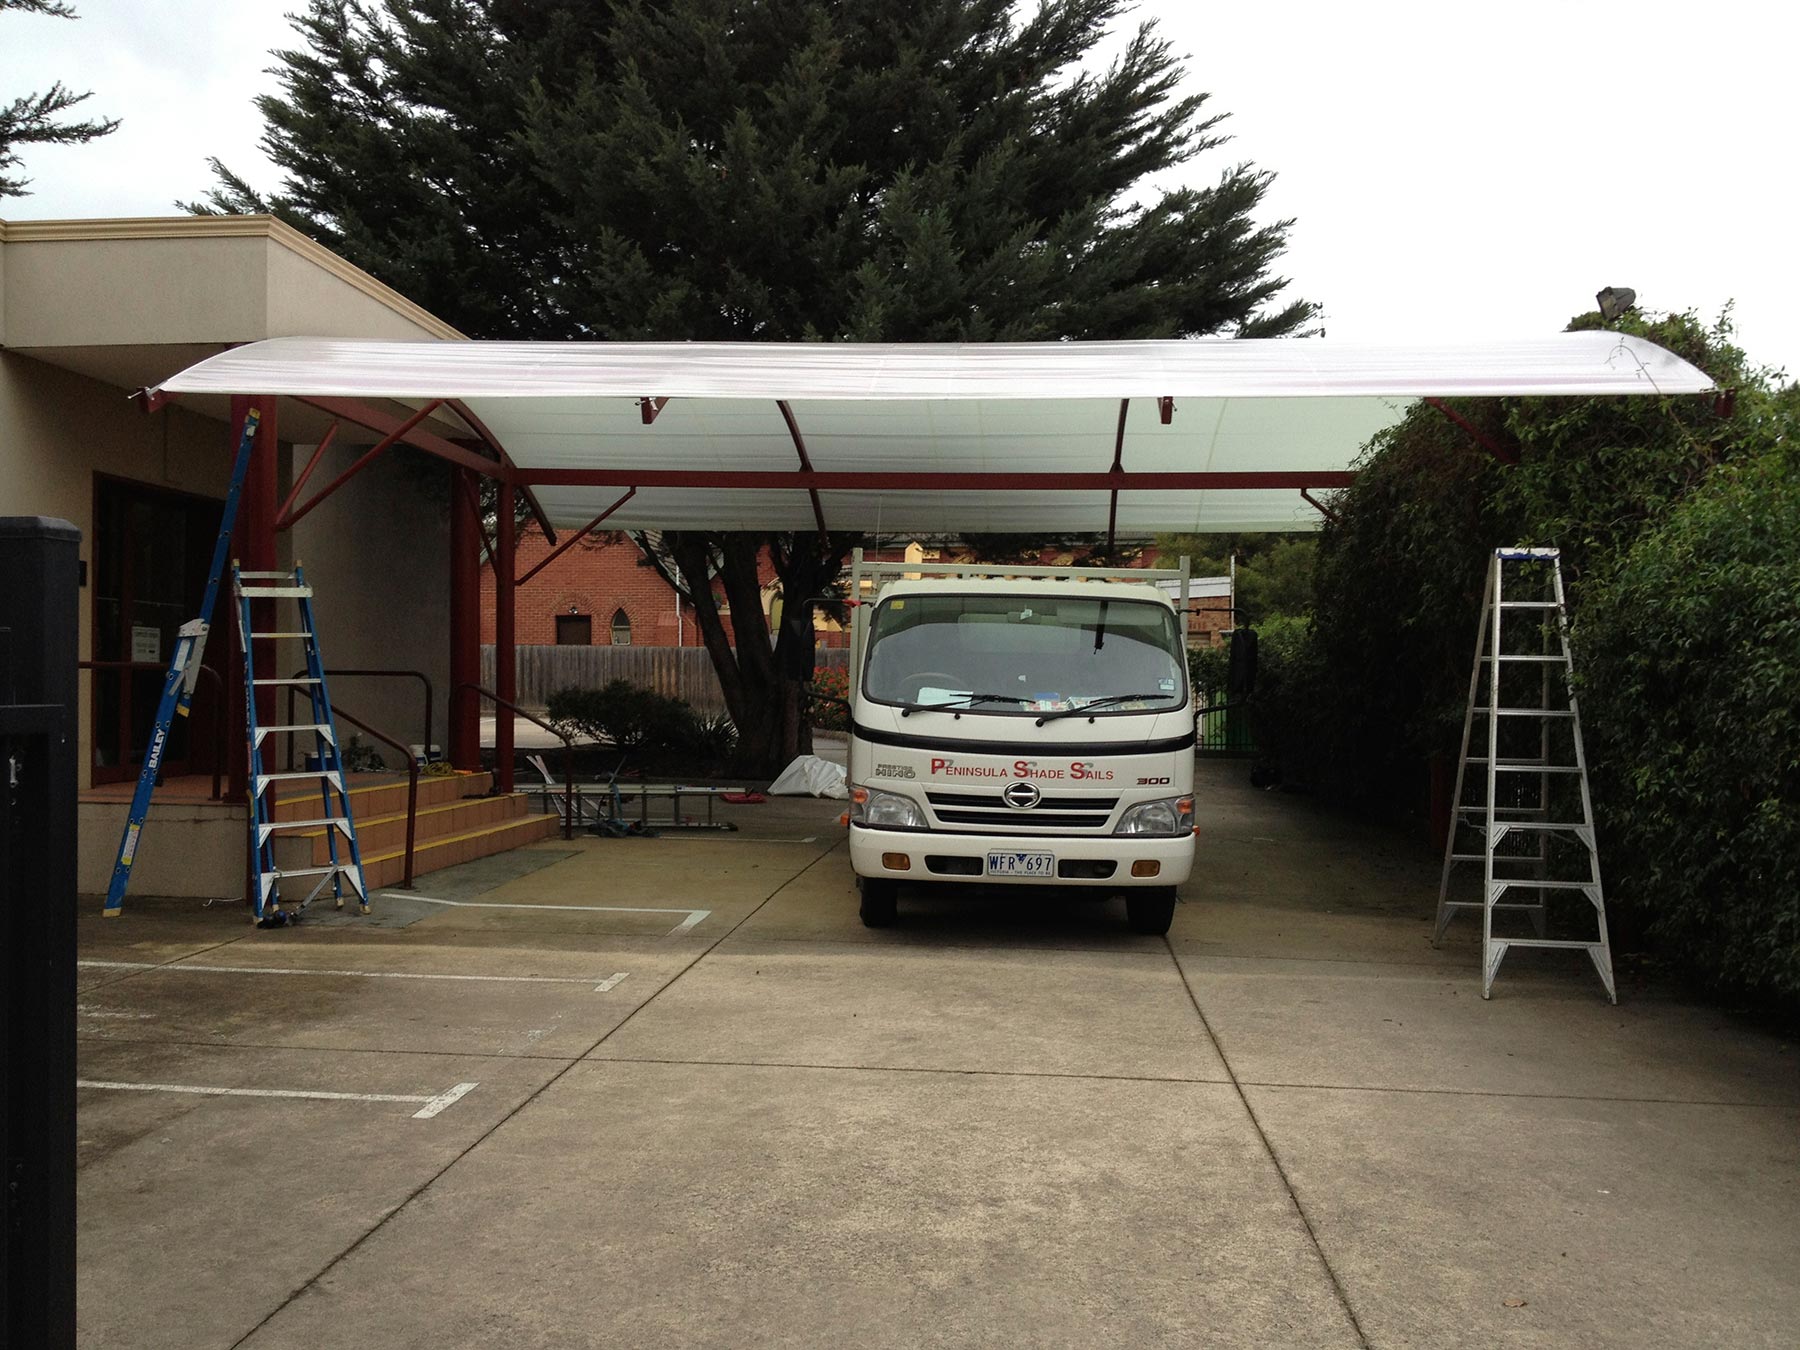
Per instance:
x=1531, y=822
x=345, y=866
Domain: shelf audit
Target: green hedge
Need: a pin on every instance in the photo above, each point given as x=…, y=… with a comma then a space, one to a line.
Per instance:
x=640, y=721
x=1690, y=680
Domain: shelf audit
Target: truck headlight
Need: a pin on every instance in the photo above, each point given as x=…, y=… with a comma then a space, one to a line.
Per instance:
x=884, y=810
x=1168, y=816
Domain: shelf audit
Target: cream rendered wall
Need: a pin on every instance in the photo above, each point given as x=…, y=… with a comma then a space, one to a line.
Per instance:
x=58, y=429
x=79, y=292
x=377, y=554
x=305, y=299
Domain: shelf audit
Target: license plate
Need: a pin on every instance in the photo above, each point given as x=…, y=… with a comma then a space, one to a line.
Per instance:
x=1021, y=864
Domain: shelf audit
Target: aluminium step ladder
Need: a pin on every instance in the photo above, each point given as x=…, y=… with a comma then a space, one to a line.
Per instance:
x=183, y=673
x=345, y=866
x=1530, y=824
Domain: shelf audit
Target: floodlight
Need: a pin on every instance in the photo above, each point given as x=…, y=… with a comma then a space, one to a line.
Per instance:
x=1615, y=300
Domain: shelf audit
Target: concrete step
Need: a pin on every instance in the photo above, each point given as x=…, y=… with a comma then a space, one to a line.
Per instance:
x=384, y=834
x=369, y=800
x=386, y=869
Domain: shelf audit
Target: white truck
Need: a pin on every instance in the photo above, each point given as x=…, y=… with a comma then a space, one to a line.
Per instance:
x=1023, y=726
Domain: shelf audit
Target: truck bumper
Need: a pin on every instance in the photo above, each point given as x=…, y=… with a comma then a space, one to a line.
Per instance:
x=1079, y=861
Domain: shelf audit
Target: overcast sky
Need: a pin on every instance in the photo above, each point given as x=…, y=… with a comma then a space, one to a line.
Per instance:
x=1454, y=170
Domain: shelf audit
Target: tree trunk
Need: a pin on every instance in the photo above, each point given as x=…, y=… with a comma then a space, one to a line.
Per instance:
x=764, y=682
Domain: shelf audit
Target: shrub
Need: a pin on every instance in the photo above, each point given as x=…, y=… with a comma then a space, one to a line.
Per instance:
x=1689, y=662
x=631, y=718
x=827, y=698
x=1207, y=667
x=1288, y=709
x=709, y=740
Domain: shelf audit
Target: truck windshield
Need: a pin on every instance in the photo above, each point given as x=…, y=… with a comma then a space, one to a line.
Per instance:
x=1050, y=653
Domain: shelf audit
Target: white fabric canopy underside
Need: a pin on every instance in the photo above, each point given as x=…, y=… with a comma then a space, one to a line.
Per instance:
x=1281, y=405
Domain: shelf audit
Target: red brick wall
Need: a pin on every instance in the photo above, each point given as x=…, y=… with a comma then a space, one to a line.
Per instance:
x=600, y=576
x=597, y=578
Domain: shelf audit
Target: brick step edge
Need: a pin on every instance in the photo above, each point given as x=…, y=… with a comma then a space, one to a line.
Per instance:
x=386, y=869
x=386, y=834
x=380, y=799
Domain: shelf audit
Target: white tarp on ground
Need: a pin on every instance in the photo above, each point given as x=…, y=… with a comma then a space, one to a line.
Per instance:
x=1241, y=406
x=810, y=776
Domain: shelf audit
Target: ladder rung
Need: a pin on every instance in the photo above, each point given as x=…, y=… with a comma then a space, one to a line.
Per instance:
x=1499, y=904
x=275, y=592
x=1528, y=604
x=308, y=871
x=1551, y=942
x=299, y=633
x=299, y=726
x=1534, y=884
x=1541, y=824
x=266, y=576
x=302, y=824
x=300, y=773
x=302, y=680
x=1527, y=712
x=1544, y=660
x=1524, y=765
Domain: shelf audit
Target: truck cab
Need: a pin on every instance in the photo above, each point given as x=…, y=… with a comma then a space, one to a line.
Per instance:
x=1021, y=727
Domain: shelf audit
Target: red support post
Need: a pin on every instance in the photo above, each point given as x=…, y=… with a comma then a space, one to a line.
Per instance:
x=465, y=621
x=505, y=650
x=253, y=548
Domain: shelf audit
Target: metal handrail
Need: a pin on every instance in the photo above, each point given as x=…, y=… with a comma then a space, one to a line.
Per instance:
x=418, y=675
x=412, y=780
x=568, y=814
x=219, y=719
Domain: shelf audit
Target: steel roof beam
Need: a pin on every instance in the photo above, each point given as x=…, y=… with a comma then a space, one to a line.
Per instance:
x=831, y=480
x=576, y=537
x=787, y=415
x=492, y=442
x=363, y=415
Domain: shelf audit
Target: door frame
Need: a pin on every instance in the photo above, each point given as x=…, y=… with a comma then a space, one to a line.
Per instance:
x=124, y=770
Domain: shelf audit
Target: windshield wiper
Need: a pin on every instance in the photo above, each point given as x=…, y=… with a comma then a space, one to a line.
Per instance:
x=1097, y=703
x=960, y=701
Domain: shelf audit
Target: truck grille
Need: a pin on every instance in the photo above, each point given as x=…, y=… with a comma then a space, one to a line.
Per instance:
x=989, y=811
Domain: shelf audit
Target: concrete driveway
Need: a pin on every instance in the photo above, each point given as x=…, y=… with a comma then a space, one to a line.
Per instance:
x=709, y=1108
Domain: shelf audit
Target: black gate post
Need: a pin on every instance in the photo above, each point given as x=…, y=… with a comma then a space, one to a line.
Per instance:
x=38, y=723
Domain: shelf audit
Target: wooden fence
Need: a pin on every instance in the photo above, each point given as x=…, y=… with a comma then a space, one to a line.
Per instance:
x=685, y=673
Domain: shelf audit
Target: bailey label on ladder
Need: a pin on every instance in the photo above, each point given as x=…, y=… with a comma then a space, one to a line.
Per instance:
x=1531, y=823
x=344, y=867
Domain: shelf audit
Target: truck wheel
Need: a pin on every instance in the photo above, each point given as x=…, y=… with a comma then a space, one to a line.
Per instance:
x=1151, y=909
x=880, y=899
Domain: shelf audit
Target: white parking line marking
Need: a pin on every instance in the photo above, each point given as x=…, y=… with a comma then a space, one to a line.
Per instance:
x=444, y=1101
x=430, y=1107
x=600, y=986
x=694, y=916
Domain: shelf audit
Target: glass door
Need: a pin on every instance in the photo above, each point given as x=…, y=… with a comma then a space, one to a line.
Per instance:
x=151, y=553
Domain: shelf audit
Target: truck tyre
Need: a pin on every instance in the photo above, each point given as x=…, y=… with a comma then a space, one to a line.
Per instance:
x=1150, y=910
x=880, y=901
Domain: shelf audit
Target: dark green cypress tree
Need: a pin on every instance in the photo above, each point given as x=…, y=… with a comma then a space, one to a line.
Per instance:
x=772, y=170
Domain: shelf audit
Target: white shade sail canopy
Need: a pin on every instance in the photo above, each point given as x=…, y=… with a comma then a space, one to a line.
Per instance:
x=1213, y=434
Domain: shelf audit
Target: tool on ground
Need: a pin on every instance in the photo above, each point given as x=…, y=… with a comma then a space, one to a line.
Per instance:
x=184, y=672
x=1531, y=823
x=326, y=767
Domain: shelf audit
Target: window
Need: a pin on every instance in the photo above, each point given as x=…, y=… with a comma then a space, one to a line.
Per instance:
x=621, y=628
x=1008, y=653
x=574, y=630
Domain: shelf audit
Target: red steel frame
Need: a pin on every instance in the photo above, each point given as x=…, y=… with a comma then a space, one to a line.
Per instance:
x=262, y=518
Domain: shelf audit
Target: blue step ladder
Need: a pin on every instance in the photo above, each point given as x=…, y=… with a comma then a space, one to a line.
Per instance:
x=344, y=870
x=183, y=674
